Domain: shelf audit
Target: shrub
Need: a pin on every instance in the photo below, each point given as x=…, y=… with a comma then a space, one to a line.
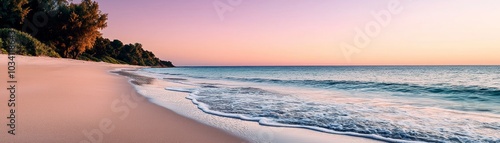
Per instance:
x=25, y=44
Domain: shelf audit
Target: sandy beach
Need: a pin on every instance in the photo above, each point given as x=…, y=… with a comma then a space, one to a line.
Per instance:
x=235, y=71
x=63, y=100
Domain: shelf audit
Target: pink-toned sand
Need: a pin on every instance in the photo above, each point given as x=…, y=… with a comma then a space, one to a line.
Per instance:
x=70, y=101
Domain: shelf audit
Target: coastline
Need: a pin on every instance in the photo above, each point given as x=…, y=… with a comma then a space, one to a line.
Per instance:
x=65, y=100
x=373, y=103
x=249, y=130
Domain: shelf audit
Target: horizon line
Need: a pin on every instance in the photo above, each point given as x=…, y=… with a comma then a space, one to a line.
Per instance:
x=328, y=65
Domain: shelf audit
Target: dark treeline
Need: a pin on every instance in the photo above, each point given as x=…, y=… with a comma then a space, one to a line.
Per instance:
x=72, y=30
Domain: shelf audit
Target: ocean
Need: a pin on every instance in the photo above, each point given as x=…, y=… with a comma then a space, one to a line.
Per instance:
x=389, y=103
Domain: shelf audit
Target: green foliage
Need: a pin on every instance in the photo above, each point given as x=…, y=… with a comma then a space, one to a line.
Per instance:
x=2, y=51
x=85, y=21
x=87, y=57
x=13, y=13
x=109, y=59
x=46, y=20
x=25, y=44
x=118, y=53
x=72, y=30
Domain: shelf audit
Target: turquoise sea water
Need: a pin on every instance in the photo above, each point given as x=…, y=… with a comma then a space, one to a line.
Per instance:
x=391, y=103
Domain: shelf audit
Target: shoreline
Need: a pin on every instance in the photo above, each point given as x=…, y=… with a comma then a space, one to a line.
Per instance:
x=65, y=100
x=252, y=131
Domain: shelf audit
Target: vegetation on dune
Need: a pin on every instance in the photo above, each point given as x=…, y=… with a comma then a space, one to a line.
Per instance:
x=13, y=13
x=2, y=50
x=116, y=52
x=25, y=44
x=59, y=28
x=1, y=43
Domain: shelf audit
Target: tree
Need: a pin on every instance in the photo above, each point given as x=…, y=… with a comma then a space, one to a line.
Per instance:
x=101, y=47
x=73, y=30
x=117, y=47
x=116, y=52
x=77, y=28
x=13, y=13
x=68, y=27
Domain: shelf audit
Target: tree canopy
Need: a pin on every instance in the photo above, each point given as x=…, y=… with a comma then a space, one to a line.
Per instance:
x=13, y=13
x=72, y=30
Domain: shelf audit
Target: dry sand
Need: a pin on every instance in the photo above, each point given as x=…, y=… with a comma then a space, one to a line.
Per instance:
x=70, y=101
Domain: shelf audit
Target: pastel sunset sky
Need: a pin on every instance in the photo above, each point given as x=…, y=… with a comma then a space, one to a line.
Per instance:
x=310, y=32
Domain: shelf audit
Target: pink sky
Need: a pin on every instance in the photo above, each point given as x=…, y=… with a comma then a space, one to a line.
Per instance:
x=309, y=32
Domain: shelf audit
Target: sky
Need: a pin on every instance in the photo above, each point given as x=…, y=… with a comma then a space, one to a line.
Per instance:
x=310, y=32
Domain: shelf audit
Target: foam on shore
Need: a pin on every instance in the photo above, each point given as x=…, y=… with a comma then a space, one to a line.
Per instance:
x=375, y=118
x=173, y=95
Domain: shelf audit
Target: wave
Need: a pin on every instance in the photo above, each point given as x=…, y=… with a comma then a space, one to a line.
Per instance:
x=179, y=89
x=445, y=91
x=442, y=110
x=452, y=92
x=381, y=123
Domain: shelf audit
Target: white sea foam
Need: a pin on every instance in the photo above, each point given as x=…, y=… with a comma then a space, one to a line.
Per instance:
x=254, y=133
x=187, y=90
x=382, y=119
x=270, y=122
